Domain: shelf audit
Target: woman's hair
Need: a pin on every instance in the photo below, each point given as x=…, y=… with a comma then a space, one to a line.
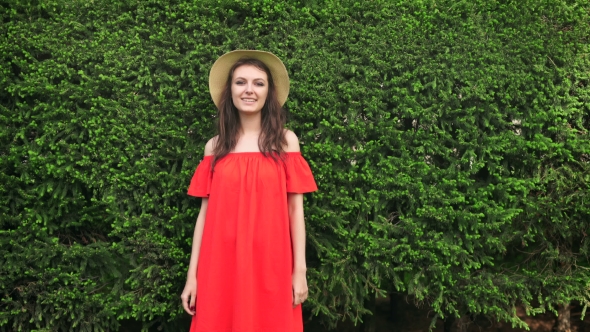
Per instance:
x=273, y=118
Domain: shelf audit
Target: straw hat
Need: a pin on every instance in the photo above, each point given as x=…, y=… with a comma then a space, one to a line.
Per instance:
x=220, y=71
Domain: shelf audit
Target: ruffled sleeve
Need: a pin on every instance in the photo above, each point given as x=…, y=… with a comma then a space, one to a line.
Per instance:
x=299, y=177
x=201, y=182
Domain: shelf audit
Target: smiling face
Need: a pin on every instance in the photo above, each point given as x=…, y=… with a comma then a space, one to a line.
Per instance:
x=249, y=88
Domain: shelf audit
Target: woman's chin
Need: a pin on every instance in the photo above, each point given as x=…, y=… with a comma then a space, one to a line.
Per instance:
x=249, y=110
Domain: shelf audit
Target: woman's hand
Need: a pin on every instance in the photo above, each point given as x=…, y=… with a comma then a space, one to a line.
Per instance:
x=299, y=287
x=189, y=295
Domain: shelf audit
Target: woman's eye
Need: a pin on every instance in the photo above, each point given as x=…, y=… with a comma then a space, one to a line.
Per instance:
x=239, y=82
x=260, y=84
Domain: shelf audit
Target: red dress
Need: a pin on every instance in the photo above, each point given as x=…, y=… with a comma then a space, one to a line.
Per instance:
x=246, y=260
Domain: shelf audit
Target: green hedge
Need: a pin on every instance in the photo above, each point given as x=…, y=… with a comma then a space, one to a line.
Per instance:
x=449, y=140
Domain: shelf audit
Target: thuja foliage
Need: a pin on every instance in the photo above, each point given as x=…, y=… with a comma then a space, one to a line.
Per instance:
x=449, y=140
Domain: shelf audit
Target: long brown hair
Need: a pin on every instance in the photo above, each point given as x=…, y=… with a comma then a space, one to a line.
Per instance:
x=273, y=118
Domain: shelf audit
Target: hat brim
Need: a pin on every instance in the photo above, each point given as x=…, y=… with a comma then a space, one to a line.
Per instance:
x=219, y=73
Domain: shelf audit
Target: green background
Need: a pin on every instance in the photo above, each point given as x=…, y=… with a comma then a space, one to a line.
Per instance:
x=449, y=139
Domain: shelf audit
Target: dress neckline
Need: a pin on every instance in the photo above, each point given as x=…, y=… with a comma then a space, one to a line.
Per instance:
x=250, y=153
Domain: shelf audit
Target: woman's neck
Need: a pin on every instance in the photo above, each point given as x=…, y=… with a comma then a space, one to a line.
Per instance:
x=250, y=124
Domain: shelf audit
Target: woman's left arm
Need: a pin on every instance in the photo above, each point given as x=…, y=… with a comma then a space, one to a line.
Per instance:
x=297, y=225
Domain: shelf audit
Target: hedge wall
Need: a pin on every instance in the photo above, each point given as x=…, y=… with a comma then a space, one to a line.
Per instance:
x=449, y=139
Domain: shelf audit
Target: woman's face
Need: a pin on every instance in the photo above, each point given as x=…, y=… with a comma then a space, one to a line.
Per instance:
x=249, y=88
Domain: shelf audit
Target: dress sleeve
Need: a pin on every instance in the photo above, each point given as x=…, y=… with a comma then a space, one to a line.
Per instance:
x=299, y=177
x=201, y=182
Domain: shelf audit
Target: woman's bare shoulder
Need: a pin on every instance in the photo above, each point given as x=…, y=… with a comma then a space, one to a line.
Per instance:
x=210, y=146
x=292, y=141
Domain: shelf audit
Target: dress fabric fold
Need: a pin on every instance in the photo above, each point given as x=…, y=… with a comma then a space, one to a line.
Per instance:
x=246, y=261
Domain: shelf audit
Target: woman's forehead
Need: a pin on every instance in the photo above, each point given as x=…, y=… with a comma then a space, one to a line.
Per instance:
x=251, y=72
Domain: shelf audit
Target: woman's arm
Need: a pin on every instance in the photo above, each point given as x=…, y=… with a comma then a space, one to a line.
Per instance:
x=297, y=225
x=189, y=294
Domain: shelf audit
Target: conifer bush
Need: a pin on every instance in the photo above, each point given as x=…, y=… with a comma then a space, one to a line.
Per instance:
x=450, y=142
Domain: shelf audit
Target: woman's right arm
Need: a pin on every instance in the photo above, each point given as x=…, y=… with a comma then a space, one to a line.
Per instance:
x=189, y=294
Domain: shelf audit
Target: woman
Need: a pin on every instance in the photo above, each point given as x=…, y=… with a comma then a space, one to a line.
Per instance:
x=247, y=270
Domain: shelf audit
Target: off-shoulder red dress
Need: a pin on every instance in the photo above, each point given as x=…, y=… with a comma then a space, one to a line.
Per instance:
x=246, y=259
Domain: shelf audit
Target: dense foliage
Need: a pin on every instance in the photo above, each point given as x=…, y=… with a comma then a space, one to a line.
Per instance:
x=449, y=140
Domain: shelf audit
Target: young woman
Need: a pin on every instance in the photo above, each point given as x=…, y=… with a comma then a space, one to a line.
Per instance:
x=247, y=271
